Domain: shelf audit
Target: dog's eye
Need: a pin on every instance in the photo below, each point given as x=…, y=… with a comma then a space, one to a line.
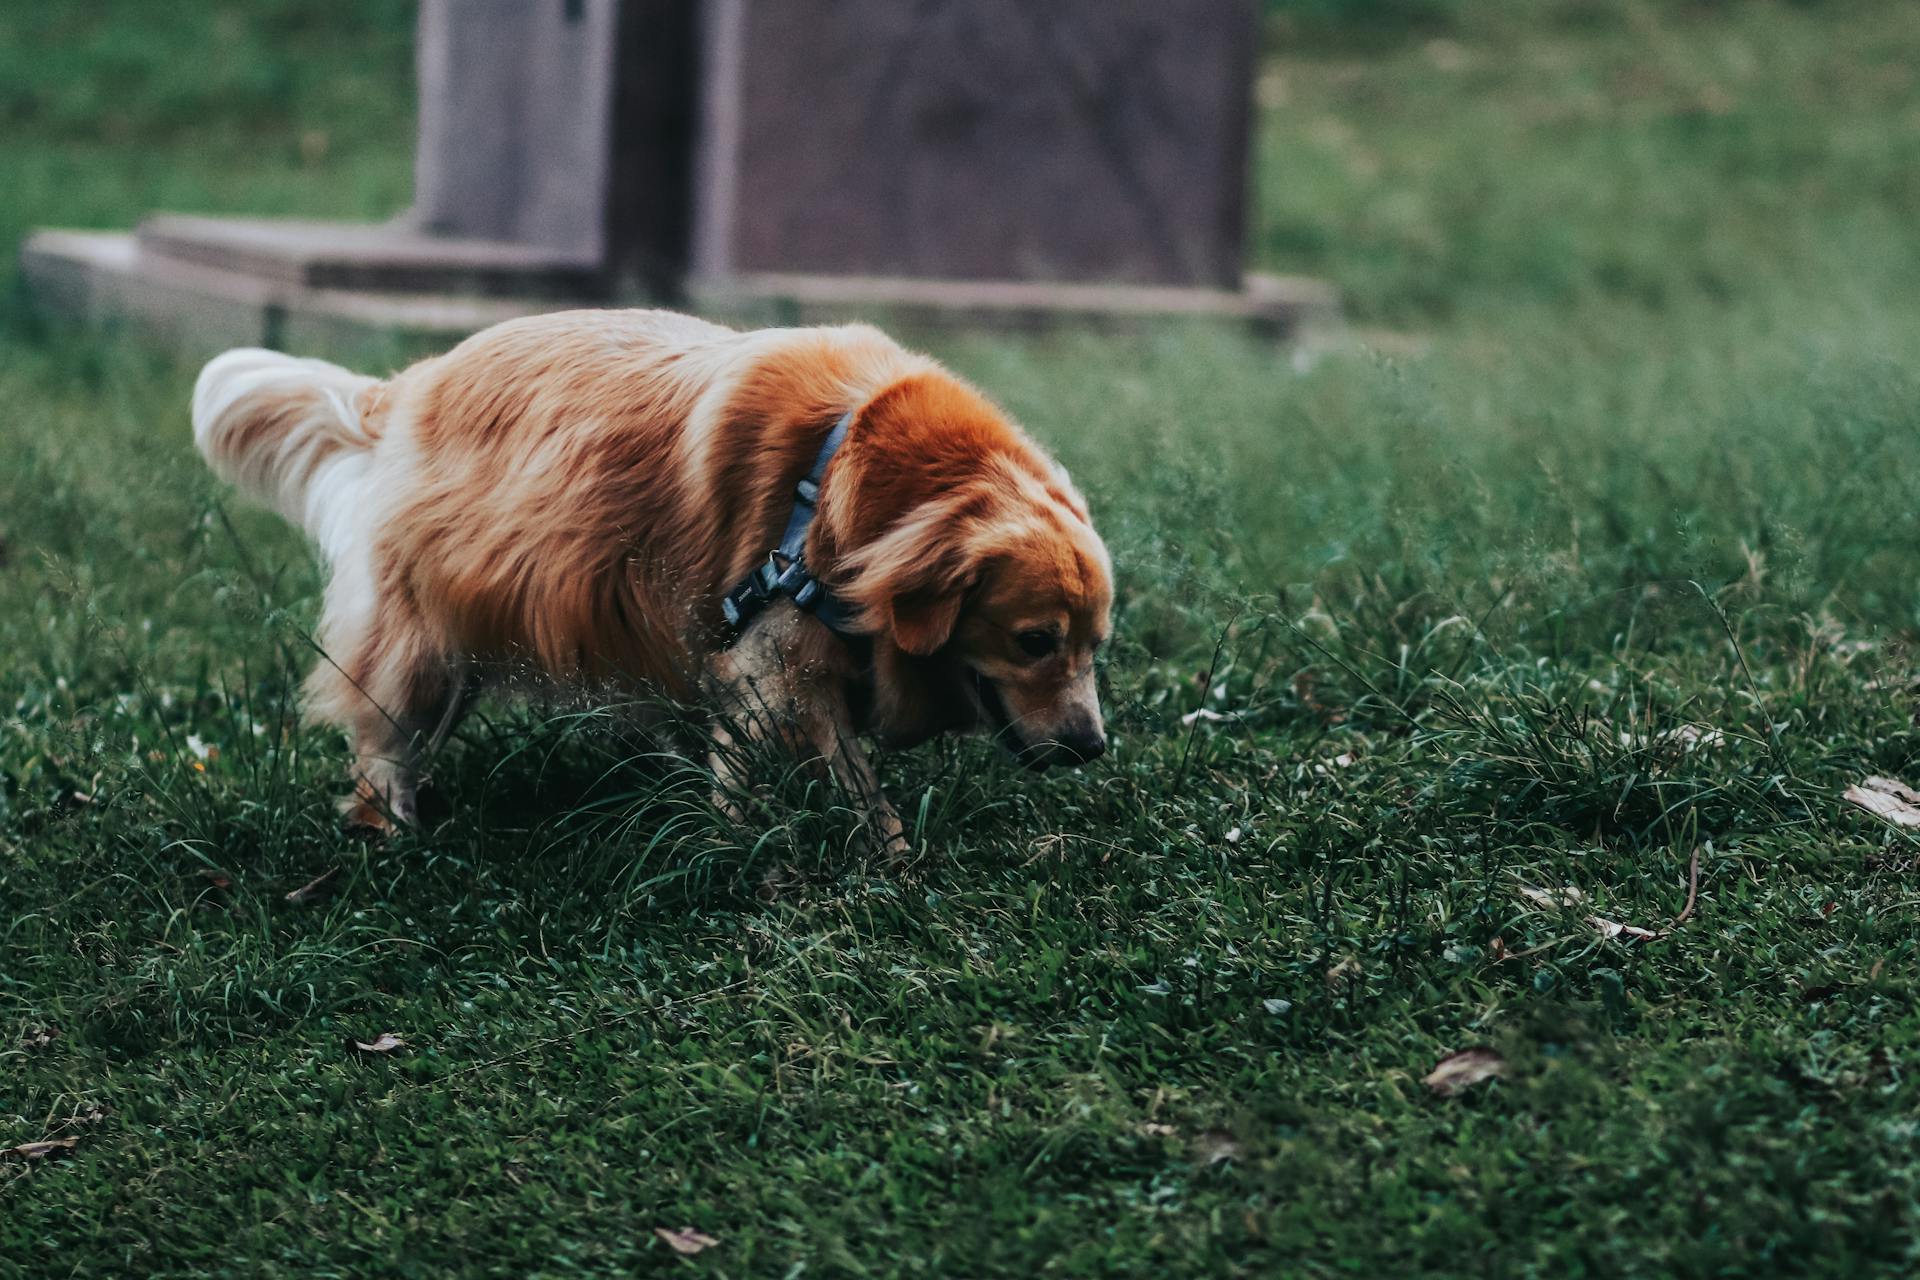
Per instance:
x=1037, y=644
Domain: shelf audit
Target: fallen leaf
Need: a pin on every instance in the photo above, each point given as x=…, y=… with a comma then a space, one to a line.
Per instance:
x=1217, y=1145
x=1887, y=798
x=1568, y=896
x=1342, y=761
x=216, y=877
x=1234, y=836
x=39, y=1037
x=1697, y=735
x=1277, y=1007
x=686, y=1240
x=1458, y=1072
x=312, y=889
x=1158, y=1130
x=1207, y=714
x=1614, y=929
x=1348, y=967
x=40, y=1150
x=385, y=1042
x=1688, y=737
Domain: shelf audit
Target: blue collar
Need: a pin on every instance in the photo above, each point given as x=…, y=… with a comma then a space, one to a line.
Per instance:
x=785, y=572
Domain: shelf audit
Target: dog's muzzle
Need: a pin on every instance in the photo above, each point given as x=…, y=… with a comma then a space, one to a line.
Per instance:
x=1071, y=746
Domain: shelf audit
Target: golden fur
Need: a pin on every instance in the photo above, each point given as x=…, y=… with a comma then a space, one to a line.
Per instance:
x=575, y=492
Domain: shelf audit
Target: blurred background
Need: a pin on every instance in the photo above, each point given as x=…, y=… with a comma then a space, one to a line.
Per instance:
x=1439, y=161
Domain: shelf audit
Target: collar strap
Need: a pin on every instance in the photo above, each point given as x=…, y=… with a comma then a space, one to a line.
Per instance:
x=785, y=573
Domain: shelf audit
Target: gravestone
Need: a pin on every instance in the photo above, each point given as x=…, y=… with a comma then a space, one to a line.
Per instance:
x=564, y=124
x=1090, y=141
x=1005, y=161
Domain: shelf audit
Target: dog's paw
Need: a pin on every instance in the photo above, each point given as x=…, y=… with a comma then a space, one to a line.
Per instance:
x=362, y=816
x=894, y=851
x=374, y=816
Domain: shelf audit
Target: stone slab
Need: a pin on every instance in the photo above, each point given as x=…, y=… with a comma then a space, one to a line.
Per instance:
x=375, y=257
x=108, y=278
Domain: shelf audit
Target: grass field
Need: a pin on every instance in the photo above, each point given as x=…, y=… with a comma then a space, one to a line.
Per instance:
x=1592, y=563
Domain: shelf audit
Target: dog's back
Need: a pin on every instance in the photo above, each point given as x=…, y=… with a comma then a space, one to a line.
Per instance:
x=580, y=484
x=525, y=490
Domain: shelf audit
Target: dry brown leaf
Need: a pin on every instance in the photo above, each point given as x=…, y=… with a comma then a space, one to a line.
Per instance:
x=1346, y=970
x=312, y=889
x=216, y=877
x=1458, y=1072
x=1614, y=929
x=385, y=1042
x=686, y=1240
x=39, y=1037
x=1887, y=798
x=40, y=1150
x=1158, y=1130
x=1568, y=896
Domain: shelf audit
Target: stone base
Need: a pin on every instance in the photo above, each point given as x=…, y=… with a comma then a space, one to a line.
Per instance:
x=1277, y=307
x=216, y=282
x=104, y=278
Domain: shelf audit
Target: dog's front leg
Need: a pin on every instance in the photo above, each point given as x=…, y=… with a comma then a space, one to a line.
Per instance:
x=768, y=690
x=834, y=741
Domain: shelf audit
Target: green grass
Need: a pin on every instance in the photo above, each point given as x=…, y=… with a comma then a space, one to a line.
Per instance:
x=1632, y=442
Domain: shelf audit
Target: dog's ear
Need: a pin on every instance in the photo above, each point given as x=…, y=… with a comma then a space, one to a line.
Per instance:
x=923, y=616
x=911, y=583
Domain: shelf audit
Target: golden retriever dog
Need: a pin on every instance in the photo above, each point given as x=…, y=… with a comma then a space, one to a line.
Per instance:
x=600, y=497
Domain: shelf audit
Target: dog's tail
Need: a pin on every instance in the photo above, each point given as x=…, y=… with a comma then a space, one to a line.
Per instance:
x=294, y=435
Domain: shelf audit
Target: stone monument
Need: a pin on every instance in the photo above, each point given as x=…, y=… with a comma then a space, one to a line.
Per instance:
x=1002, y=161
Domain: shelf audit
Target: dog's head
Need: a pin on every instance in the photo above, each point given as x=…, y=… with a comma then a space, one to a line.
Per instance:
x=997, y=591
x=1025, y=633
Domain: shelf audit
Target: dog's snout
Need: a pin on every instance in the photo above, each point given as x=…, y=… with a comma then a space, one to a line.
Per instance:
x=1084, y=745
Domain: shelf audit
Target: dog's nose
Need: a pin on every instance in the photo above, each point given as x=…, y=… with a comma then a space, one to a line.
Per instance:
x=1084, y=746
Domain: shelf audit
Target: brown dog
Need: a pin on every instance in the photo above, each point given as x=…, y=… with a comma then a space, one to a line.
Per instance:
x=580, y=493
